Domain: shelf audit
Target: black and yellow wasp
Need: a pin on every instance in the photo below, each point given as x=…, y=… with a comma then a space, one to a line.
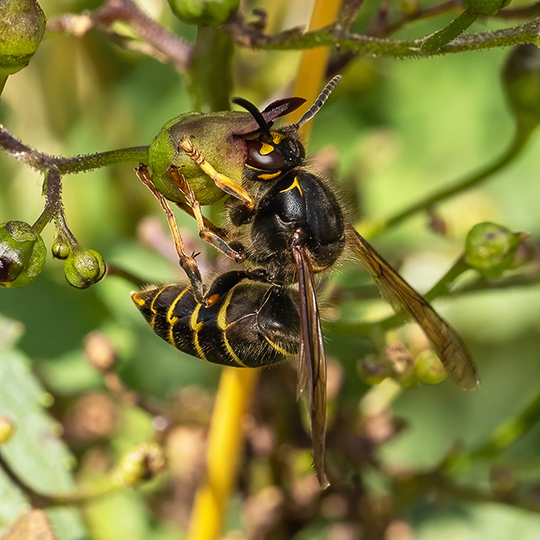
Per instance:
x=269, y=312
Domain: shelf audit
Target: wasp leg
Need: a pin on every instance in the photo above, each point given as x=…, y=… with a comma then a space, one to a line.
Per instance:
x=211, y=235
x=187, y=262
x=222, y=182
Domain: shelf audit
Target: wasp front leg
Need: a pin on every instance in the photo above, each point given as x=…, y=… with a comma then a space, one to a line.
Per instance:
x=222, y=182
x=207, y=231
x=187, y=262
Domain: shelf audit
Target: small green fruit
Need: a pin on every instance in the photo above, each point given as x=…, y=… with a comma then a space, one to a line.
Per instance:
x=22, y=24
x=142, y=463
x=428, y=368
x=84, y=267
x=22, y=254
x=60, y=248
x=204, y=12
x=521, y=80
x=491, y=248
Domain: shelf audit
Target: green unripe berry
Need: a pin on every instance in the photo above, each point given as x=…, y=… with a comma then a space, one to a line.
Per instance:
x=485, y=7
x=22, y=23
x=204, y=12
x=84, y=267
x=22, y=254
x=521, y=80
x=60, y=248
x=428, y=368
x=491, y=248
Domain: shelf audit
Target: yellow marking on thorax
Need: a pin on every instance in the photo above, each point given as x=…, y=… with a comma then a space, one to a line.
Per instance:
x=295, y=184
x=196, y=326
x=222, y=325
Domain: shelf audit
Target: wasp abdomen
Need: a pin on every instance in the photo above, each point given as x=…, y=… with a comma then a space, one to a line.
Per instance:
x=252, y=324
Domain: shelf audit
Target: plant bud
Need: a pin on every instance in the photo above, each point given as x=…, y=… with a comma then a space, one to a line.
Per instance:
x=22, y=23
x=142, y=463
x=22, y=254
x=491, y=248
x=485, y=7
x=60, y=248
x=84, y=267
x=521, y=80
x=204, y=12
x=371, y=371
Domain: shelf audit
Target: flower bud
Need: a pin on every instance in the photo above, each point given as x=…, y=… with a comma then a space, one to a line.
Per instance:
x=142, y=463
x=204, y=12
x=22, y=254
x=521, y=80
x=60, y=248
x=491, y=248
x=84, y=267
x=22, y=23
x=371, y=371
x=485, y=7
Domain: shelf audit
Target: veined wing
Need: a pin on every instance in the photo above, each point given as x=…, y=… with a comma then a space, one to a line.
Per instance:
x=448, y=345
x=312, y=361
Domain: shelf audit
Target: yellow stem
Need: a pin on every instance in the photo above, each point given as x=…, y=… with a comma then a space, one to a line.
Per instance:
x=224, y=450
x=236, y=385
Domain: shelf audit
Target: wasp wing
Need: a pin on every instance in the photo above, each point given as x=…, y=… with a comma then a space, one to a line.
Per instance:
x=448, y=346
x=312, y=361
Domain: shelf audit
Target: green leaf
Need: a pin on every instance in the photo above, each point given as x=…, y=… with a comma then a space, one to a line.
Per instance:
x=35, y=453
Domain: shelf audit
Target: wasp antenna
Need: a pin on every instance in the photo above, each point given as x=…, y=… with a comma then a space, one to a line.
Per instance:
x=257, y=115
x=319, y=102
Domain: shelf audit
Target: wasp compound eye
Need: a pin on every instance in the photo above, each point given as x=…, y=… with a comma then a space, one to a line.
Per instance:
x=264, y=156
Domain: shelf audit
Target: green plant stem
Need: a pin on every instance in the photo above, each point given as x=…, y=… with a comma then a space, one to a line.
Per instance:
x=445, y=486
x=368, y=45
x=509, y=431
x=442, y=287
x=210, y=72
x=86, y=162
x=448, y=33
x=519, y=142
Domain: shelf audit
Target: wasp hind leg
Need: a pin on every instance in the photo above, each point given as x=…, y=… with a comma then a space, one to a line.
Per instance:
x=187, y=262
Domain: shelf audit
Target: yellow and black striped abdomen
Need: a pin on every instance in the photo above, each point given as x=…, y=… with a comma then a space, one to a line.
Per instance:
x=249, y=324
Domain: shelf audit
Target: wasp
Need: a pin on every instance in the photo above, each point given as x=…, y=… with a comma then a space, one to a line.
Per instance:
x=295, y=230
x=184, y=157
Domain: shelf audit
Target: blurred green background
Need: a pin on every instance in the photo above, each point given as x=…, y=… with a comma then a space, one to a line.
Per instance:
x=401, y=129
